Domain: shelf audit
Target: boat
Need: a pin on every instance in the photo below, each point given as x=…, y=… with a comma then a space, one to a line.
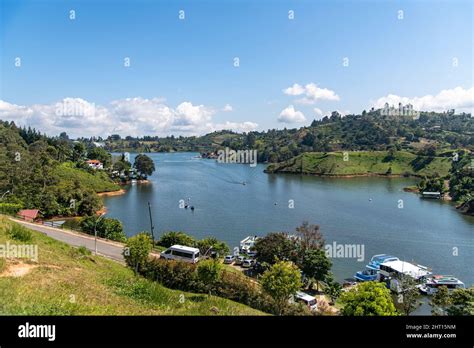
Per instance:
x=431, y=285
x=247, y=243
x=366, y=275
x=372, y=269
x=391, y=271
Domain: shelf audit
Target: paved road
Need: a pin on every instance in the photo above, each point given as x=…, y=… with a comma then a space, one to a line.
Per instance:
x=112, y=250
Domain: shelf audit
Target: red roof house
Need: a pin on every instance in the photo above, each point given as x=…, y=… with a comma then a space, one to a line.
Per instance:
x=96, y=164
x=28, y=214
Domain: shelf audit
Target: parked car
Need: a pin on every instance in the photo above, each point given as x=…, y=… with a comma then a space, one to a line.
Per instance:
x=239, y=260
x=248, y=263
x=308, y=300
x=251, y=253
x=229, y=259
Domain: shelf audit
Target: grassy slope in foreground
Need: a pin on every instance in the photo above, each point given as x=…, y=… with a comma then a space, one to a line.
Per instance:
x=99, y=286
x=99, y=181
x=362, y=163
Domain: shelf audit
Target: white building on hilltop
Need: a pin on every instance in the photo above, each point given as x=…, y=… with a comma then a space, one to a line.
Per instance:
x=402, y=110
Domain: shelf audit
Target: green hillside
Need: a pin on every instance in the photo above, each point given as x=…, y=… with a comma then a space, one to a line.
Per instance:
x=98, y=182
x=70, y=281
x=363, y=163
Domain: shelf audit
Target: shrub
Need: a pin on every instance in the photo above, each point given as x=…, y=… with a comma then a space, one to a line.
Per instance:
x=172, y=274
x=137, y=251
x=10, y=208
x=281, y=281
x=237, y=287
x=368, y=299
x=172, y=238
x=230, y=285
x=20, y=233
x=209, y=272
x=212, y=243
x=80, y=253
x=106, y=228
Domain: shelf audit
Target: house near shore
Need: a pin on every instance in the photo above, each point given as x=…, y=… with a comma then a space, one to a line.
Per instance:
x=95, y=164
x=29, y=215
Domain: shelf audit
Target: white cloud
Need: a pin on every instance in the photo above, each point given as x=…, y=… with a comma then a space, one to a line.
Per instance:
x=318, y=112
x=456, y=98
x=311, y=93
x=296, y=89
x=131, y=116
x=290, y=115
x=227, y=108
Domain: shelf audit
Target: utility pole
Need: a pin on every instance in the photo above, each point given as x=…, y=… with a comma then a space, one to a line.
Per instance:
x=95, y=232
x=151, y=225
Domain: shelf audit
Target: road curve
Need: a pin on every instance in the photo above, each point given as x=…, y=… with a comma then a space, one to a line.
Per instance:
x=109, y=249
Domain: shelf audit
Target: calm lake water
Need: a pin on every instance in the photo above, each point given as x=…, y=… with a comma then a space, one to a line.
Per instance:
x=354, y=211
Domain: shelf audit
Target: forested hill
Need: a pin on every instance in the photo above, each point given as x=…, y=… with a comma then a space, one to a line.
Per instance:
x=369, y=131
x=48, y=174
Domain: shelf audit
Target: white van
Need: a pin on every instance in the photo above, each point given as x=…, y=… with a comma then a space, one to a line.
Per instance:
x=181, y=253
x=308, y=300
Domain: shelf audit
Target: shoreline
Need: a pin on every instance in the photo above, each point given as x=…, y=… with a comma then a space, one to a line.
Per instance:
x=343, y=176
x=112, y=193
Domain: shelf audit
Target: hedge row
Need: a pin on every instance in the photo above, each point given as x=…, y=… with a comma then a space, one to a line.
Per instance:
x=183, y=276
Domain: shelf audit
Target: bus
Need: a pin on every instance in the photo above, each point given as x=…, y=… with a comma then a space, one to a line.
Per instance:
x=181, y=253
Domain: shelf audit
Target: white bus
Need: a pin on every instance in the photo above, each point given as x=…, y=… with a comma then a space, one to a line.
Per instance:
x=181, y=253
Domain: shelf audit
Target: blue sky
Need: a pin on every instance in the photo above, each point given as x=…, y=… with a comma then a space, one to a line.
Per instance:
x=182, y=72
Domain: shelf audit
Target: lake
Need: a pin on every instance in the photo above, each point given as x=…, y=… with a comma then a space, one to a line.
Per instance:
x=374, y=212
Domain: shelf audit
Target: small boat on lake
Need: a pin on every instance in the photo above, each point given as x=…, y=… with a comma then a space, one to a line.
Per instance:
x=372, y=269
x=432, y=284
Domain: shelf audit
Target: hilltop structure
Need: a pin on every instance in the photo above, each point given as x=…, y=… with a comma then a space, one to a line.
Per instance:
x=402, y=110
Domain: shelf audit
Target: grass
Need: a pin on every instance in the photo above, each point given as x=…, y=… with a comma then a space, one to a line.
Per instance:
x=363, y=163
x=99, y=181
x=72, y=281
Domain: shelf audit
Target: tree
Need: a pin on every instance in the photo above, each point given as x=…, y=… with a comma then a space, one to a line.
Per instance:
x=112, y=229
x=315, y=265
x=106, y=227
x=78, y=152
x=212, y=243
x=99, y=153
x=122, y=165
x=440, y=301
x=409, y=297
x=310, y=236
x=461, y=302
x=281, y=281
x=308, y=139
x=137, y=250
x=250, y=140
x=144, y=165
x=172, y=238
x=275, y=247
x=333, y=288
x=89, y=203
x=368, y=299
x=209, y=272
x=390, y=155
